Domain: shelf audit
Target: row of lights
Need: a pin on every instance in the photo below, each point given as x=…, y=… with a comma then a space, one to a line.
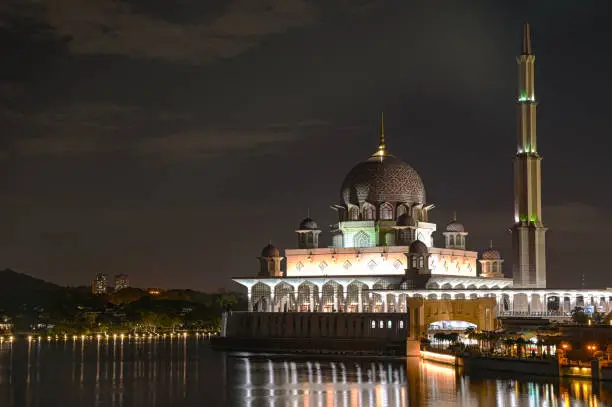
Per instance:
x=114, y=336
x=10, y=339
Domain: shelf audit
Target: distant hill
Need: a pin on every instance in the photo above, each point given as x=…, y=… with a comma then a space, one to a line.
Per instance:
x=20, y=292
x=12, y=283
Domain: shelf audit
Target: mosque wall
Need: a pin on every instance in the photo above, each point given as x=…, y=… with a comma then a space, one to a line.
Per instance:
x=372, y=261
x=386, y=326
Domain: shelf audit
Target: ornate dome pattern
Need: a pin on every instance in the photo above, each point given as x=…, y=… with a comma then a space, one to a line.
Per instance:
x=308, y=224
x=491, y=254
x=270, y=251
x=417, y=247
x=382, y=178
x=455, y=226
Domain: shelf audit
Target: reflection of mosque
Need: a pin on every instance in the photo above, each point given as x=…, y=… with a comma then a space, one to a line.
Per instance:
x=382, y=248
x=260, y=381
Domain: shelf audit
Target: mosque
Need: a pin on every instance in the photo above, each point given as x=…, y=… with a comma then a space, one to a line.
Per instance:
x=382, y=249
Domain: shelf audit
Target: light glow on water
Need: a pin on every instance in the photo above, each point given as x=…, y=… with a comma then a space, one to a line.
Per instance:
x=92, y=372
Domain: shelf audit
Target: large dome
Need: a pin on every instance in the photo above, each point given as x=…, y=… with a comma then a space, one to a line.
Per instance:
x=382, y=178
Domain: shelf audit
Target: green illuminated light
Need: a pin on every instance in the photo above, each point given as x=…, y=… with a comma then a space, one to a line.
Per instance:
x=523, y=218
x=525, y=98
x=533, y=218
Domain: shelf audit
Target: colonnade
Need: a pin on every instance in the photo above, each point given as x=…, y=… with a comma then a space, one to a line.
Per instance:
x=370, y=295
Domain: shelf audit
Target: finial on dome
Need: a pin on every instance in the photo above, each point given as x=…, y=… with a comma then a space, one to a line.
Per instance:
x=491, y=244
x=382, y=148
x=454, y=216
x=308, y=212
x=526, y=39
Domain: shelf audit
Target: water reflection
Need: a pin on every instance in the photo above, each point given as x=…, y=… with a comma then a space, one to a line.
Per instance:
x=264, y=381
x=126, y=373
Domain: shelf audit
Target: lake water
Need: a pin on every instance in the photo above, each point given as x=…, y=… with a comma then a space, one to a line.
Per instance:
x=186, y=373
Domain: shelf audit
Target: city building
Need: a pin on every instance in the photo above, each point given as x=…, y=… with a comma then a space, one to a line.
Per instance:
x=382, y=253
x=99, y=285
x=121, y=282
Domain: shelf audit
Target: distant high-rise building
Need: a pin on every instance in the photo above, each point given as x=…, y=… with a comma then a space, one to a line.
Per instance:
x=99, y=285
x=121, y=282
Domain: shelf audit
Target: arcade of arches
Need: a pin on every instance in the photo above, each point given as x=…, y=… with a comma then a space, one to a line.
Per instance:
x=351, y=295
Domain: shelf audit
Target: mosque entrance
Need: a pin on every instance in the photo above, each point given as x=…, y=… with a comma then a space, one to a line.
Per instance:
x=426, y=313
x=453, y=325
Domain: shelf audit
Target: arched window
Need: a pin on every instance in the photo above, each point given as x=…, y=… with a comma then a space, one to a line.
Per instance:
x=421, y=262
x=451, y=240
x=353, y=213
x=369, y=212
x=390, y=239
x=386, y=212
x=401, y=209
x=413, y=262
x=338, y=240
x=361, y=239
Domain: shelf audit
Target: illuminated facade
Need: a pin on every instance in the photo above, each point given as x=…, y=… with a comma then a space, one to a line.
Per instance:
x=121, y=281
x=382, y=248
x=99, y=285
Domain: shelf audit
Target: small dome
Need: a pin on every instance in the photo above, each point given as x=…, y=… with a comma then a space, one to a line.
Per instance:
x=491, y=254
x=406, y=220
x=455, y=226
x=270, y=251
x=308, y=224
x=417, y=247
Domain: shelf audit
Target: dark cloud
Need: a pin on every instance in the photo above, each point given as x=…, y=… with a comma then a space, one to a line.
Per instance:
x=138, y=30
x=171, y=140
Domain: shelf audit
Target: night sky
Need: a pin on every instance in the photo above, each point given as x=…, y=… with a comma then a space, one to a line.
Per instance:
x=171, y=140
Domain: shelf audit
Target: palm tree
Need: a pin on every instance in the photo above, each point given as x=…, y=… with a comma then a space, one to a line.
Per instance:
x=509, y=343
x=520, y=342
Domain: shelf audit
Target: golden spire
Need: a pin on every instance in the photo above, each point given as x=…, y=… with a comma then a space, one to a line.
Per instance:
x=382, y=148
x=491, y=244
x=526, y=40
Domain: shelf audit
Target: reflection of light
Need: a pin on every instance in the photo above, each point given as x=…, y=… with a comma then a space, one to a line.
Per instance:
x=286, y=366
x=270, y=380
x=293, y=373
x=437, y=369
x=270, y=373
x=438, y=357
x=247, y=380
x=247, y=371
x=309, y=366
x=382, y=374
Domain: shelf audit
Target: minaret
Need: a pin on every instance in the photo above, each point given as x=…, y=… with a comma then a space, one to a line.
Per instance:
x=529, y=269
